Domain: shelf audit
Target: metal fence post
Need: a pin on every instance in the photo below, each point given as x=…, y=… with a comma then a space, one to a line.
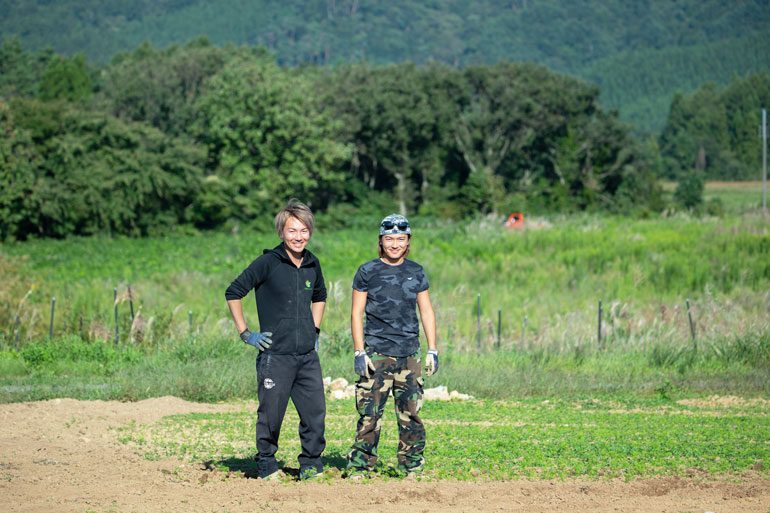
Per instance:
x=478, y=323
x=599, y=323
x=53, y=312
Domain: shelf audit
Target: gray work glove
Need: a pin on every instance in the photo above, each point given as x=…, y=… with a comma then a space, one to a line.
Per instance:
x=431, y=363
x=317, y=337
x=363, y=364
x=261, y=341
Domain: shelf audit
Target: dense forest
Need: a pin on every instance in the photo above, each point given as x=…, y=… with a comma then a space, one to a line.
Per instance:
x=640, y=53
x=203, y=136
x=713, y=132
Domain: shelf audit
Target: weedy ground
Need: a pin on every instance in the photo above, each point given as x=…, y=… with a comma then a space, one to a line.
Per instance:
x=493, y=440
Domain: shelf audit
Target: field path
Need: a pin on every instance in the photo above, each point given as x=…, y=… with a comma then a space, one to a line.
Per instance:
x=64, y=455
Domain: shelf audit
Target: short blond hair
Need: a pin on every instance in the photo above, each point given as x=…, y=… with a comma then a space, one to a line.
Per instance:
x=294, y=208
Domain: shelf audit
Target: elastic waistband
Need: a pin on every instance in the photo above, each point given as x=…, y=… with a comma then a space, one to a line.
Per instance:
x=288, y=354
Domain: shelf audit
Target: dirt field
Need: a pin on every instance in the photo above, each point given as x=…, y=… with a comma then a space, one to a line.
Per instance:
x=63, y=455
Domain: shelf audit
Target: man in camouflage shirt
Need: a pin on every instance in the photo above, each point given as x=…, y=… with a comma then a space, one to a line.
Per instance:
x=387, y=349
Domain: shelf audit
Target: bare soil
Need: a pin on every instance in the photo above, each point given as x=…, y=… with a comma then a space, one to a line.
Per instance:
x=63, y=455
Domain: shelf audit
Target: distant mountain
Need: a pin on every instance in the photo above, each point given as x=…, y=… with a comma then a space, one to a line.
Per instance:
x=639, y=52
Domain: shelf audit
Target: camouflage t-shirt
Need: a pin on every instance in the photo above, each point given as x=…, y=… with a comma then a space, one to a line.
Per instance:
x=391, y=315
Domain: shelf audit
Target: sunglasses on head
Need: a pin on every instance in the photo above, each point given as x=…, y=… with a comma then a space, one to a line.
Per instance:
x=389, y=225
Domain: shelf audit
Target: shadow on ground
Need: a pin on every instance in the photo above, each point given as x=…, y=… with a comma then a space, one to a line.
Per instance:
x=248, y=466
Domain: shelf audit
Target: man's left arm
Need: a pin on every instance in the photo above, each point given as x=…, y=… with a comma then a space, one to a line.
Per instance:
x=318, y=302
x=428, y=317
x=318, y=313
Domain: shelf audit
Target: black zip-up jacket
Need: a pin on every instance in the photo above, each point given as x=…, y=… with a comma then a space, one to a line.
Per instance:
x=284, y=294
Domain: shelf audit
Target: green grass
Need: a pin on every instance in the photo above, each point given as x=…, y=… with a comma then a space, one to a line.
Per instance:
x=486, y=440
x=736, y=197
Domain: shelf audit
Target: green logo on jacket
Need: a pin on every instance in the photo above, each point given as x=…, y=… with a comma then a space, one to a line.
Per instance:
x=307, y=285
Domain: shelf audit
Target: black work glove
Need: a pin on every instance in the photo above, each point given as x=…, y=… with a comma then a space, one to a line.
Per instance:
x=261, y=341
x=363, y=364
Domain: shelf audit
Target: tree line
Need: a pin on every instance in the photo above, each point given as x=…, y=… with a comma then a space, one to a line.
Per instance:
x=713, y=133
x=639, y=53
x=205, y=137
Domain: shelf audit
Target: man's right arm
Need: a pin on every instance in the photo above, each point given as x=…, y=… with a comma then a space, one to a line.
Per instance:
x=261, y=341
x=236, y=310
x=249, y=279
x=357, y=319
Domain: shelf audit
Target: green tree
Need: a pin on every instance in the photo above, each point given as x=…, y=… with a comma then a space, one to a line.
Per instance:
x=95, y=174
x=713, y=130
x=66, y=79
x=160, y=87
x=689, y=191
x=18, y=159
x=20, y=71
x=266, y=140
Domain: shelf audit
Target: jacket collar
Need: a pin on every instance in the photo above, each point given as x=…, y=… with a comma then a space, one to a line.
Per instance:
x=308, y=258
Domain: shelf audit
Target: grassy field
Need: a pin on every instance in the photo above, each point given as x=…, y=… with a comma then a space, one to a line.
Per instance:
x=543, y=284
x=531, y=438
x=734, y=197
x=737, y=197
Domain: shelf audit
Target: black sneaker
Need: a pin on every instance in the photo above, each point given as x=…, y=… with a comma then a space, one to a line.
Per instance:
x=268, y=469
x=278, y=475
x=310, y=473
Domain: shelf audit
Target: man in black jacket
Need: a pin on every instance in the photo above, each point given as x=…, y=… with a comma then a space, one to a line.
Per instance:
x=291, y=297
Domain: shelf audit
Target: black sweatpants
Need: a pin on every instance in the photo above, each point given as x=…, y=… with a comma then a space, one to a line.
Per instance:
x=281, y=376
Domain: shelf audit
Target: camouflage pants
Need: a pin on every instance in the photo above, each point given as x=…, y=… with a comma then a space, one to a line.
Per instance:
x=402, y=376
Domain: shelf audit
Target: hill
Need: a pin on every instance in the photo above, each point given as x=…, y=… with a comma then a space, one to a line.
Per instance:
x=641, y=53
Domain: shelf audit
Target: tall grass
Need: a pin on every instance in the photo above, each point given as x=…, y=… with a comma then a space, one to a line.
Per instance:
x=220, y=369
x=553, y=273
x=545, y=282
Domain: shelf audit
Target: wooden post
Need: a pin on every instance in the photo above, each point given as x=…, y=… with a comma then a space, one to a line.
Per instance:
x=499, y=325
x=115, y=306
x=599, y=329
x=131, y=303
x=17, y=330
x=692, y=325
x=189, y=320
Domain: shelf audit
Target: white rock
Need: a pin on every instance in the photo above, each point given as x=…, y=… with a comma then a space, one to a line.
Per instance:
x=439, y=393
x=327, y=381
x=338, y=384
x=457, y=396
x=342, y=394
